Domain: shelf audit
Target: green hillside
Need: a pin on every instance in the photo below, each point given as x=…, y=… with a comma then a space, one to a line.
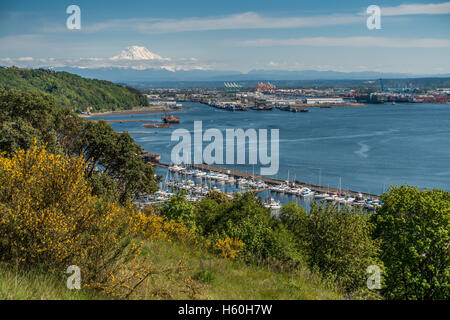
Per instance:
x=73, y=91
x=220, y=279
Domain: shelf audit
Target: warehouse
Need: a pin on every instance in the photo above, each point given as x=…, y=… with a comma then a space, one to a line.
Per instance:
x=324, y=100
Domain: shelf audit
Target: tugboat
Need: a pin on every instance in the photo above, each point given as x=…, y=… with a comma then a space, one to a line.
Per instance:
x=171, y=119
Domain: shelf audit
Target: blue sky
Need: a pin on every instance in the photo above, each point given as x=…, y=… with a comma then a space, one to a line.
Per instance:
x=231, y=35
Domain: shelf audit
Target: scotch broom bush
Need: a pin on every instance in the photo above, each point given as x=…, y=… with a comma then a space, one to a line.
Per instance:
x=48, y=217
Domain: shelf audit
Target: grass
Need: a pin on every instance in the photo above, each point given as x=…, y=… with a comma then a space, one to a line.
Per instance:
x=36, y=285
x=204, y=276
x=219, y=278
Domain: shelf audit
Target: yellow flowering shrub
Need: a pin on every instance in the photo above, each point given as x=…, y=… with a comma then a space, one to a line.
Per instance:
x=44, y=202
x=48, y=216
x=153, y=227
x=229, y=247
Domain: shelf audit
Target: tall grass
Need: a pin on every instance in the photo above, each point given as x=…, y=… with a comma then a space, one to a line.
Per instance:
x=36, y=284
x=202, y=276
x=219, y=278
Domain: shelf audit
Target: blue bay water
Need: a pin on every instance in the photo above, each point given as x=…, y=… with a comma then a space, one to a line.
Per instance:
x=367, y=147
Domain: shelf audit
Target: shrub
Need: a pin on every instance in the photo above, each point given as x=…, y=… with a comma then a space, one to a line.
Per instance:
x=149, y=226
x=229, y=247
x=180, y=210
x=338, y=242
x=48, y=215
x=246, y=219
x=414, y=228
x=49, y=218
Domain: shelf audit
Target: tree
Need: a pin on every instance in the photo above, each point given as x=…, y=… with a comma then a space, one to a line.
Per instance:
x=70, y=90
x=217, y=196
x=245, y=218
x=337, y=242
x=179, y=209
x=414, y=228
x=25, y=116
x=28, y=116
x=98, y=140
x=124, y=162
x=36, y=108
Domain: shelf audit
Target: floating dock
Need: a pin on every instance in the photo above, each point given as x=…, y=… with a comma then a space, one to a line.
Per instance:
x=270, y=181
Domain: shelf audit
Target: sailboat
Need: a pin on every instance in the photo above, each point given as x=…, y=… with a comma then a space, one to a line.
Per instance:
x=339, y=198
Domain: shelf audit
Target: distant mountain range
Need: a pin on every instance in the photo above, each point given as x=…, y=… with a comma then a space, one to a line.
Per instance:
x=137, y=65
x=126, y=75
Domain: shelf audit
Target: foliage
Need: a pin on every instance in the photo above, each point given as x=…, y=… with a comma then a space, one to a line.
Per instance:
x=338, y=242
x=48, y=215
x=148, y=226
x=120, y=158
x=26, y=116
x=229, y=247
x=73, y=91
x=180, y=210
x=245, y=218
x=414, y=228
x=49, y=218
x=104, y=186
x=295, y=218
x=217, y=196
x=206, y=276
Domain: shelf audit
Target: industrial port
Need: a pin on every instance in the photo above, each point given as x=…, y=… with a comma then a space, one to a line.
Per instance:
x=265, y=96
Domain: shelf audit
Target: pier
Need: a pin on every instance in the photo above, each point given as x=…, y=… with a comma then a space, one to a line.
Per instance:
x=126, y=121
x=270, y=181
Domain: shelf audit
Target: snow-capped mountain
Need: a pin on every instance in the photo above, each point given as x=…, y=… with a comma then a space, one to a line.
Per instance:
x=138, y=53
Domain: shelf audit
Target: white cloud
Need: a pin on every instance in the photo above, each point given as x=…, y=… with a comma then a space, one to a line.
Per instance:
x=347, y=42
x=418, y=8
x=252, y=20
x=245, y=20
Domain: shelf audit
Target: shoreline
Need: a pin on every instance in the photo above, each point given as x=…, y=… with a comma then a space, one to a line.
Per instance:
x=143, y=110
x=330, y=105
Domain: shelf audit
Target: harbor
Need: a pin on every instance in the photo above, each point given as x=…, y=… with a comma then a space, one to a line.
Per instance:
x=198, y=179
x=267, y=180
x=370, y=148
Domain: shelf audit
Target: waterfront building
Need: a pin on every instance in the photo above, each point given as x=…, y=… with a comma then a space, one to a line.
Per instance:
x=324, y=100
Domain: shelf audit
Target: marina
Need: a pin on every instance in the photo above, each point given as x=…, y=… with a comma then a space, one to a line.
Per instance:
x=198, y=180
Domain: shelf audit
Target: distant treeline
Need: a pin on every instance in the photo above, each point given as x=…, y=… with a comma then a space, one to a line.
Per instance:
x=371, y=84
x=72, y=91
